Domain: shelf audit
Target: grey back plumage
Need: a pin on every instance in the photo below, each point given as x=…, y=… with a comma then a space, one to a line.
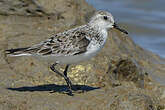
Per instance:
x=71, y=42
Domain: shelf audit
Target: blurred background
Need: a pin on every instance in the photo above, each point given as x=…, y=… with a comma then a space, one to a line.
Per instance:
x=143, y=19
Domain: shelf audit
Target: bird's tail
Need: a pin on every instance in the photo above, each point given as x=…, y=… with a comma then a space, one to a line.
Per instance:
x=18, y=52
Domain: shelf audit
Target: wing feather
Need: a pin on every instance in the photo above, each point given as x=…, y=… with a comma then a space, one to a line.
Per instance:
x=71, y=42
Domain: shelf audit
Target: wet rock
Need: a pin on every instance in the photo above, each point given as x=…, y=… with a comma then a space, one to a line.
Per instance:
x=125, y=69
x=119, y=77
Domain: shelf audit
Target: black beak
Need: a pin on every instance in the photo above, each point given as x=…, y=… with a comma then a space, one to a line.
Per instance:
x=118, y=28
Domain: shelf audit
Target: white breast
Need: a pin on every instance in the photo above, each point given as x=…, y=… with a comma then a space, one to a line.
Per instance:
x=95, y=46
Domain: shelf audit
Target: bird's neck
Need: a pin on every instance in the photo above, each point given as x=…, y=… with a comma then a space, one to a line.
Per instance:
x=101, y=33
x=99, y=28
x=98, y=25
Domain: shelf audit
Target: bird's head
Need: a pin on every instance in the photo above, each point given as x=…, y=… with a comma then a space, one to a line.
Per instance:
x=104, y=20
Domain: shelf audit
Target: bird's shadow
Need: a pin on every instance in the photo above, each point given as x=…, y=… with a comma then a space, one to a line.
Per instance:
x=54, y=88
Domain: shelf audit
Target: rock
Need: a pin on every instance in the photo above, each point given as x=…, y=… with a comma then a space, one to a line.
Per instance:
x=21, y=8
x=123, y=70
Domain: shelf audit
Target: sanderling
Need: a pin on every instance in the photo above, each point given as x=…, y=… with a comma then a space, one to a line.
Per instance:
x=74, y=45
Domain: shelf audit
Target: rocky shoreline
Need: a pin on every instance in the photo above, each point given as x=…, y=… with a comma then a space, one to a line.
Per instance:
x=123, y=76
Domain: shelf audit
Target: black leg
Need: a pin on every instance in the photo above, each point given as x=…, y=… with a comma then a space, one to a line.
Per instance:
x=52, y=67
x=66, y=78
x=69, y=84
x=66, y=69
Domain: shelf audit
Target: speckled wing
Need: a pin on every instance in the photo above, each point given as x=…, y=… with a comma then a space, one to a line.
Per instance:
x=68, y=43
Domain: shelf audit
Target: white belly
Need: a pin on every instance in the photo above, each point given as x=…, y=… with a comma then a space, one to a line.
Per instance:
x=71, y=59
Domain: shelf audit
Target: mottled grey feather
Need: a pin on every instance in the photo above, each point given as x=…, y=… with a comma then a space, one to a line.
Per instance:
x=71, y=42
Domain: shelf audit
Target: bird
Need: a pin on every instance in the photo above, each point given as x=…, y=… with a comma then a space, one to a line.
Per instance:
x=72, y=46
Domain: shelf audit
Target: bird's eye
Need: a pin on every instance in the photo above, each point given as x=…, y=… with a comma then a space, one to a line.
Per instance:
x=105, y=17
